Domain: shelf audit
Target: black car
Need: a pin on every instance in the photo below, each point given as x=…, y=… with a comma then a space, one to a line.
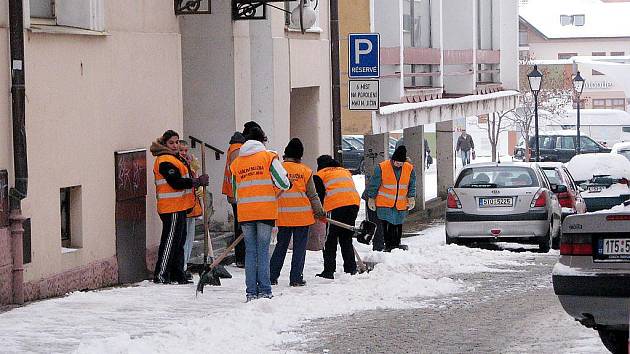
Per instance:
x=352, y=154
x=558, y=146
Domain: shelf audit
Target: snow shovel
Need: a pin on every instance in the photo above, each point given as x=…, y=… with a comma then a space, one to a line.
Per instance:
x=207, y=244
x=212, y=276
x=364, y=233
x=362, y=266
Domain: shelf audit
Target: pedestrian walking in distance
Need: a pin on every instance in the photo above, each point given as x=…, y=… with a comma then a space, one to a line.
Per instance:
x=391, y=192
x=191, y=218
x=257, y=175
x=175, y=198
x=297, y=209
x=341, y=201
x=466, y=147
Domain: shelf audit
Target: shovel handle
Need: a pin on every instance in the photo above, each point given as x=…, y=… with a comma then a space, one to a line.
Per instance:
x=340, y=224
x=227, y=251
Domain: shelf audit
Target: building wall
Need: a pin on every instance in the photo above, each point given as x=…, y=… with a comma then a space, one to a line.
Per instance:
x=354, y=17
x=545, y=49
x=209, y=69
x=87, y=97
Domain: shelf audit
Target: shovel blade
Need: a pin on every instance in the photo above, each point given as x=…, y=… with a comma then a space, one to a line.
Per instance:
x=208, y=278
x=221, y=272
x=366, y=232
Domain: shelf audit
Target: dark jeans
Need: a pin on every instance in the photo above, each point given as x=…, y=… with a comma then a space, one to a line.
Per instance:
x=392, y=233
x=170, y=262
x=239, y=250
x=300, y=238
x=346, y=215
x=378, y=242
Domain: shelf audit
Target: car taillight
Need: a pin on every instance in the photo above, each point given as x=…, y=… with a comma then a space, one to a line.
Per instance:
x=624, y=181
x=452, y=201
x=576, y=245
x=566, y=200
x=540, y=199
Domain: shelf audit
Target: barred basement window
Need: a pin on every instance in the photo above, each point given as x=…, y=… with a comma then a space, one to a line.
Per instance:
x=70, y=212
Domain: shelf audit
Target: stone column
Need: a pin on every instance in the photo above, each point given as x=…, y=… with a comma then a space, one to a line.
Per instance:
x=413, y=139
x=445, y=157
x=375, y=151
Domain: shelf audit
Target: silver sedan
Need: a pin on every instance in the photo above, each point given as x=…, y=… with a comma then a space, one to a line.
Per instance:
x=503, y=202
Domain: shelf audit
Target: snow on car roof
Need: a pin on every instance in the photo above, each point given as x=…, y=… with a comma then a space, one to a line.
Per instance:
x=584, y=167
x=550, y=164
x=620, y=147
x=600, y=19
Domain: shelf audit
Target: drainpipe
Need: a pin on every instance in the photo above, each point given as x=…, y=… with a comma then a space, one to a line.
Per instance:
x=336, y=78
x=19, y=190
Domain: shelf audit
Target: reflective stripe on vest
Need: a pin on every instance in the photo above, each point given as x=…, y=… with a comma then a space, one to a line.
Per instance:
x=294, y=207
x=340, y=189
x=393, y=192
x=255, y=194
x=227, y=175
x=170, y=200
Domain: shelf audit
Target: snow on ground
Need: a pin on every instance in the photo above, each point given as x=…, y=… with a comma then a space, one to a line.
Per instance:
x=157, y=319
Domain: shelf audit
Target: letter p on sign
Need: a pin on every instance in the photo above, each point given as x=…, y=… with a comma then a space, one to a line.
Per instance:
x=364, y=58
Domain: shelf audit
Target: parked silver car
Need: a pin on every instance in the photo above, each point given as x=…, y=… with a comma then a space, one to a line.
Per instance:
x=592, y=276
x=503, y=202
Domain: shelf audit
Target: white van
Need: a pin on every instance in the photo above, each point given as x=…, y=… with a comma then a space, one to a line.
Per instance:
x=606, y=126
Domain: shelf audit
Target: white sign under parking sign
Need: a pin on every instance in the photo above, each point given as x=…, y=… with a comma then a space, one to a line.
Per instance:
x=363, y=95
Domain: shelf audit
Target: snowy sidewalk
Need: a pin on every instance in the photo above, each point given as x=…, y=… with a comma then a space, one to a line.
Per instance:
x=160, y=319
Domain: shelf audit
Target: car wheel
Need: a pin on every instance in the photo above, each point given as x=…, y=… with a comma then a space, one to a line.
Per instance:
x=615, y=341
x=544, y=243
x=450, y=240
x=555, y=242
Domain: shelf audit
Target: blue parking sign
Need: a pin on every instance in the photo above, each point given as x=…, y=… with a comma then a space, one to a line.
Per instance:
x=363, y=56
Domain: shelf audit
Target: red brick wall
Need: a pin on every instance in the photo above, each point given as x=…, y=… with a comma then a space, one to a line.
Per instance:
x=95, y=275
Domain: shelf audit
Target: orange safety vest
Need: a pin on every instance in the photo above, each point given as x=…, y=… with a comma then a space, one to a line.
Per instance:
x=170, y=200
x=340, y=190
x=294, y=207
x=227, y=175
x=255, y=194
x=197, y=209
x=393, y=192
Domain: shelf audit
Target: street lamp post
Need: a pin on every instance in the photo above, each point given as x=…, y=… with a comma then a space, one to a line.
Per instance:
x=578, y=86
x=535, y=83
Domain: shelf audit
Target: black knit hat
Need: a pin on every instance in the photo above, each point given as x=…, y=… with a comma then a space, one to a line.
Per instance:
x=400, y=154
x=326, y=161
x=248, y=126
x=294, y=149
x=255, y=133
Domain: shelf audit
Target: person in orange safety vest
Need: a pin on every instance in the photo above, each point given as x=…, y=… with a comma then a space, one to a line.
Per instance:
x=297, y=209
x=391, y=192
x=257, y=179
x=336, y=189
x=175, y=198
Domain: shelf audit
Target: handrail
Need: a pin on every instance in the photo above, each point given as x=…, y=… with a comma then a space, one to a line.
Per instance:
x=217, y=152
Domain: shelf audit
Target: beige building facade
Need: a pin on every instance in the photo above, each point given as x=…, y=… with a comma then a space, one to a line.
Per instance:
x=108, y=81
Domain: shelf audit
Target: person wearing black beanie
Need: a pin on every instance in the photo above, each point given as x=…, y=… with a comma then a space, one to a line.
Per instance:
x=391, y=193
x=337, y=192
x=297, y=210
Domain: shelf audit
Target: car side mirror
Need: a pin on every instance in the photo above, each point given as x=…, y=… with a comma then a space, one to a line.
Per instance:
x=559, y=188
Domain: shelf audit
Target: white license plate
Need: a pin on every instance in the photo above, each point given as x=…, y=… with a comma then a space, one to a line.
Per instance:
x=495, y=202
x=595, y=188
x=615, y=247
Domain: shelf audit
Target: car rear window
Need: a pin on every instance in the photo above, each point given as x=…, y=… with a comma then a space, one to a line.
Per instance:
x=553, y=175
x=497, y=177
x=625, y=153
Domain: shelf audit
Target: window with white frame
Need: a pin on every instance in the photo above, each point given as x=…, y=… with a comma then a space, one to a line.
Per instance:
x=291, y=5
x=83, y=14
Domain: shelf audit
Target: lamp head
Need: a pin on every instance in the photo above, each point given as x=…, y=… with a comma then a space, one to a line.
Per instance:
x=578, y=84
x=535, y=80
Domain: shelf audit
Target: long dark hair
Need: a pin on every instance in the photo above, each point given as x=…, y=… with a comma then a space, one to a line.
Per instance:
x=168, y=134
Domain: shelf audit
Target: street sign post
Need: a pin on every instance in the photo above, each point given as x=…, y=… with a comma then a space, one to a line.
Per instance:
x=363, y=56
x=363, y=95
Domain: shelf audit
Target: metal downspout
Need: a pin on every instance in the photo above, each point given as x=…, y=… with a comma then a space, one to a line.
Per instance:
x=19, y=190
x=336, y=79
